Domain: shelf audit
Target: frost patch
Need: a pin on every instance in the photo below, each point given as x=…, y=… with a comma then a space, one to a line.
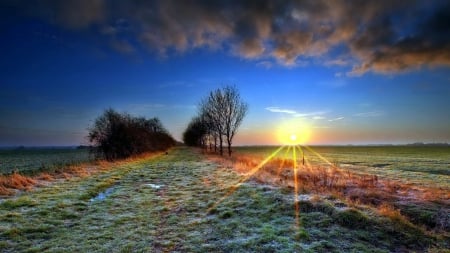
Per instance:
x=304, y=197
x=154, y=186
x=102, y=195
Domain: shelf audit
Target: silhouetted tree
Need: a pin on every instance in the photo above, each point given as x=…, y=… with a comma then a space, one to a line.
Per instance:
x=234, y=112
x=211, y=135
x=220, y=115
x=119, y=135
x=195, y=133
x=211, y=108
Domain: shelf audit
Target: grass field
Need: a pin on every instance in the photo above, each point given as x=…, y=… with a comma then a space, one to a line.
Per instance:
x=423, y=165
x=189, y=202
x=30, y=161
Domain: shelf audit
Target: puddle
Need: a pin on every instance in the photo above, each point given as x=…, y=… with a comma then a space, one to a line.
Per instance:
x=154, y=186
x=304, y=197
x=102, y=195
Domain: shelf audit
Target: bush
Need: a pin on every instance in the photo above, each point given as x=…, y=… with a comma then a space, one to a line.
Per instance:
x=119, y=135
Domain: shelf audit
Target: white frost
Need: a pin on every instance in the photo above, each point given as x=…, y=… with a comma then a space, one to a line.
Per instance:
x=154, y=186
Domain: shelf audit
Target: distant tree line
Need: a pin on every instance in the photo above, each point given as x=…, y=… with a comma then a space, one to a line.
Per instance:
x=119, y=135
x=219, y=117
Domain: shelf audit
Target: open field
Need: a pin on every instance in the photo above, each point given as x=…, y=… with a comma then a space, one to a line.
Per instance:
x=34, y=160
x=425, y=165
x=189, y=202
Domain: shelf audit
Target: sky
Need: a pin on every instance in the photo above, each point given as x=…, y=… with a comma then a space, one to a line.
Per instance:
x=333, y=72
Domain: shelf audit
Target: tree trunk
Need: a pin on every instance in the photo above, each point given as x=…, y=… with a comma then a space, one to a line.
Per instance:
x=210, y=143
x=229, y=147
x=221, y=145
x=215, y=143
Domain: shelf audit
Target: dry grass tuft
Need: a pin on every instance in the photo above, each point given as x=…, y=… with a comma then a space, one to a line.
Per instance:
x=5, y=191
x=16, y=181
x=392, y=213
x=45, y=176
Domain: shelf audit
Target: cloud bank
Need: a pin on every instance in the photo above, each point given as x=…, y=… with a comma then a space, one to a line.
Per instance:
x=381, y=36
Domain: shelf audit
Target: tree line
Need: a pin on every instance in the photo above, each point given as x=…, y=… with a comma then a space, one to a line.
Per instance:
x=117, y=135
x=219, y=117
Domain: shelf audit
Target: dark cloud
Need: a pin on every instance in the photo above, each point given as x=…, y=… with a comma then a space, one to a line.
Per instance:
x=383, y=36
x=383, y=49
x=75, y=14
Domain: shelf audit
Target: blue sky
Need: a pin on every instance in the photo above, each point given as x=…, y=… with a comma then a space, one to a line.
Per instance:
x=378, y=77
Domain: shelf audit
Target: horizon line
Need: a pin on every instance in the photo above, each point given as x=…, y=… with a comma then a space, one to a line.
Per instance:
x=252, y=145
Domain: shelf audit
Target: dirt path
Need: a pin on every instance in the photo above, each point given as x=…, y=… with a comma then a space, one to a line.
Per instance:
x=161, y=205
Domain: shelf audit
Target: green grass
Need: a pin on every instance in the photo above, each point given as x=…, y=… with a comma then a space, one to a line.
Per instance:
x=427, y=165
x=137, y=217
x=35, y=160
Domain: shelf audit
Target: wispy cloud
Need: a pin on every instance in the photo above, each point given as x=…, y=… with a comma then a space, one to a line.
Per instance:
x=309, y=114
x=280, y=110
x=336, y=119
x=370, y=114
x=337, y=62
x=316, y=115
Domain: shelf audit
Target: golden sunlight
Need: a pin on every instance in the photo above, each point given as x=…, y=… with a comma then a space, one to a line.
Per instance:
x=294, y=132
x=293, y=137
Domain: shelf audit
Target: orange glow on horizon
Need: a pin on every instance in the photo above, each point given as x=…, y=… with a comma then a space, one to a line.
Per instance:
x=294, y=132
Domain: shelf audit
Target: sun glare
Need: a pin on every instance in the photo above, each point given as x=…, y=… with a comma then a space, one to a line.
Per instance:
x=293, y=137
x=294, y=132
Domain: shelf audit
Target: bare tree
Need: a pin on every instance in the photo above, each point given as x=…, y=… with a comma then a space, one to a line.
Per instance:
x=234, y=112
x=219, y=117
x=210, y=136
x=223, y=110
x=211, y=110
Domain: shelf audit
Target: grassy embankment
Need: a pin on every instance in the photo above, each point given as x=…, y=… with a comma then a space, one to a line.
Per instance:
x=170, y=203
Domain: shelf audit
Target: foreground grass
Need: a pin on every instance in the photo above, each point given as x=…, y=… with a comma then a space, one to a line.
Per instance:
x=170, y=204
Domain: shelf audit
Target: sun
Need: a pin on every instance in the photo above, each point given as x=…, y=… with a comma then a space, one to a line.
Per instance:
x=294, y=132
x=293, y=137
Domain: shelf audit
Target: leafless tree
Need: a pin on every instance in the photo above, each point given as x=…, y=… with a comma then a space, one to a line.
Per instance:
x=234, y=112
x=220, y=115
x=224, y=110
x=211, y=110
